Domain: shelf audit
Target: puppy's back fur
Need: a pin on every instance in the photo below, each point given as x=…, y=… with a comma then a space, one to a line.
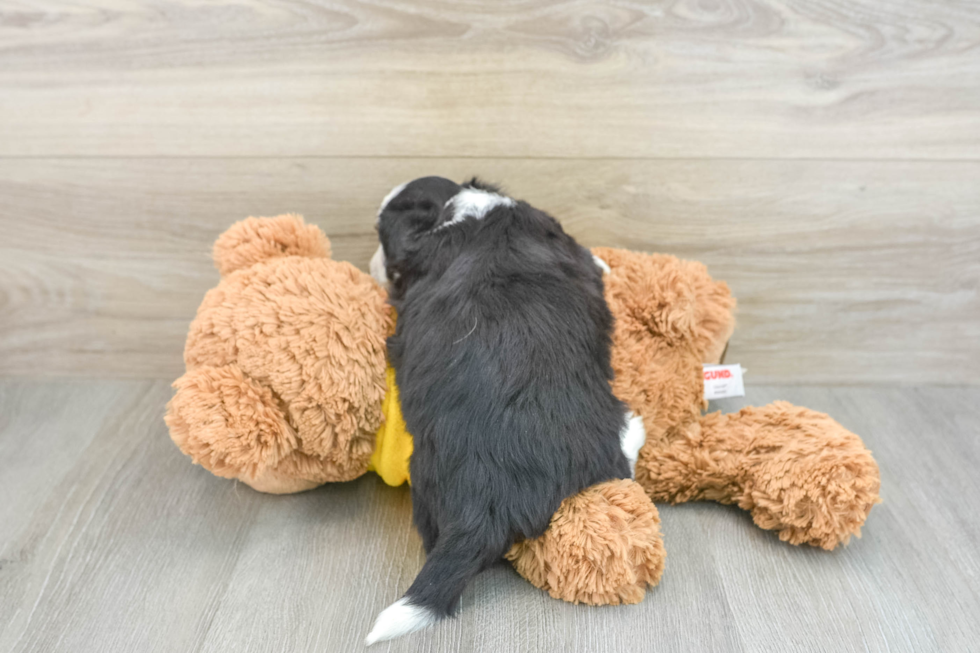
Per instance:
x=502, y=359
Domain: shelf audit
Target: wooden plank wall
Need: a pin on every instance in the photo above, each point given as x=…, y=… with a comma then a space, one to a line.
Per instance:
x=821, y=156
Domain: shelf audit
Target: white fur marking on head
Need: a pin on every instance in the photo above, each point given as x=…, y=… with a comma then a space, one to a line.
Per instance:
x=377, y=266
x=474, y=203
x=390, y=196
x=400, y=618
x=602, y=264
x=631, y=439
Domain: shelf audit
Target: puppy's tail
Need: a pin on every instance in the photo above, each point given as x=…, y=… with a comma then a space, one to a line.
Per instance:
x=435, y=593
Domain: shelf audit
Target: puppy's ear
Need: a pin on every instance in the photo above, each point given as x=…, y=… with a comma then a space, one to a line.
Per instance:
x=401, y=225
x=404, y=227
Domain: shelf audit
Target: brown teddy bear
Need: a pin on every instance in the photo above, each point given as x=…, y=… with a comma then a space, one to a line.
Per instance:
x=287, y=388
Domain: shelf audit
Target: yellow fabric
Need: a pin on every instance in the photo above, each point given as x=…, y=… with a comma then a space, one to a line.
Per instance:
x=393, y=444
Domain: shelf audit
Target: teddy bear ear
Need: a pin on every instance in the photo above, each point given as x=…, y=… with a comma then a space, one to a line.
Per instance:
x=253, y=240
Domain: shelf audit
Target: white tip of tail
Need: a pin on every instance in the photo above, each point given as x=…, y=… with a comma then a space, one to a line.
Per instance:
x=631, y=439
x=400, y=618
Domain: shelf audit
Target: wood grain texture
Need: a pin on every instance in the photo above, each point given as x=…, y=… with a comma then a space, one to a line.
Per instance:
x=669, y=78
x=845, y=272
x=113, y=541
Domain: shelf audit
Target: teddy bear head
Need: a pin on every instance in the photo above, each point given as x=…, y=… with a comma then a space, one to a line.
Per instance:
x=285, y=362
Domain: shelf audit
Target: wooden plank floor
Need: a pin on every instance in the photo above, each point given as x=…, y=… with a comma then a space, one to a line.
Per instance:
x=110, y=540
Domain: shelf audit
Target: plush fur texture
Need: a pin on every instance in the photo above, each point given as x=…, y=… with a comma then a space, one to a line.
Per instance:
x=285, y=362
x=501, y=352
x=603, y=547
x=741, y=458
x=258, y=240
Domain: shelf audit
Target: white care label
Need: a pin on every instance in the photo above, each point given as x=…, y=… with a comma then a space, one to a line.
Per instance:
x=721, y=381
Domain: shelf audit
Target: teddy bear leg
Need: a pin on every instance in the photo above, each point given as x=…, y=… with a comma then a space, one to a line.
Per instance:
x=797, y=471
x=806, y=476
x=233, y=427
x=603, y=547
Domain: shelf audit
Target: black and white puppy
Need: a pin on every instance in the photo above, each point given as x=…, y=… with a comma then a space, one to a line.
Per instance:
x=501, y=354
